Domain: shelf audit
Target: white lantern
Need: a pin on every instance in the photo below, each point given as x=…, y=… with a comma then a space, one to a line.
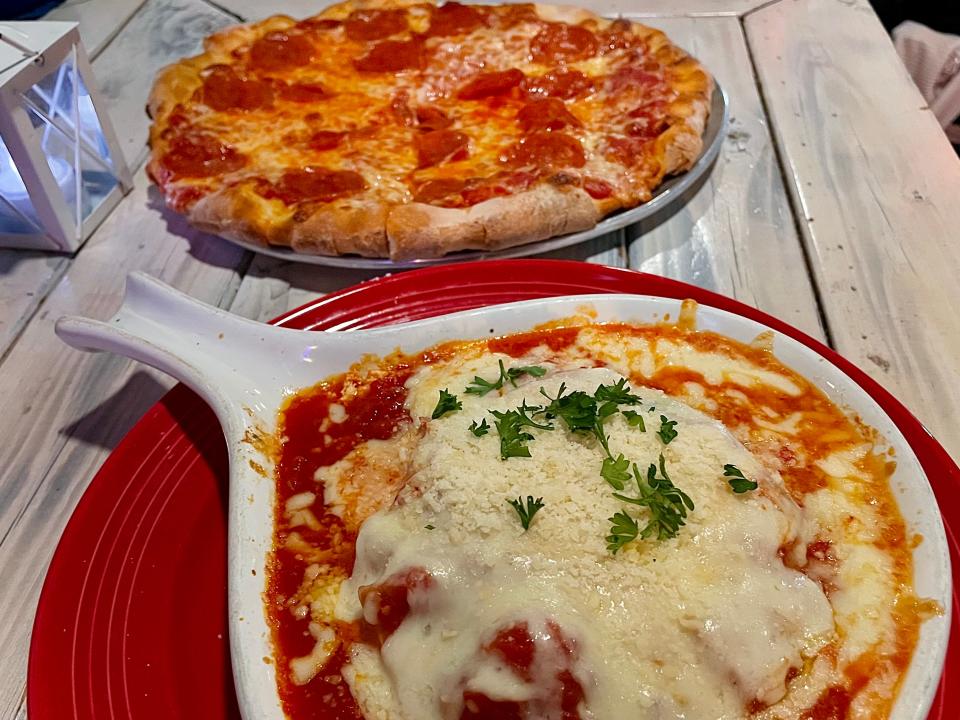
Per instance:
x=61, y=169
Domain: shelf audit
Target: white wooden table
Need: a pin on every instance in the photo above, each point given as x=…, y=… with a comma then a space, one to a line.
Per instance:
x=835, y=205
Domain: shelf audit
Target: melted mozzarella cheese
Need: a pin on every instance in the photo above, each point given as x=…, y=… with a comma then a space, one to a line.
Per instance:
x=694, y=627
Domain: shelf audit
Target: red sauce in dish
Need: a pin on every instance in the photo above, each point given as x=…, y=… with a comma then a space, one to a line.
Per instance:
x=519, y=650
x=376, y=412
x=375, y=409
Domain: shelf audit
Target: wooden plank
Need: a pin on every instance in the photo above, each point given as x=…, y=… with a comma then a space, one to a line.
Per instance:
x=878, y=185
x=255, y=10
x=161, y=32
x=98, y=20
x=736, y=235
x=25, y=279
x=271, y=287
x=65, y=410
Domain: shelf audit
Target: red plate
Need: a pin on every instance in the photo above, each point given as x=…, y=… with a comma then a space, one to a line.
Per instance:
x=132, y=618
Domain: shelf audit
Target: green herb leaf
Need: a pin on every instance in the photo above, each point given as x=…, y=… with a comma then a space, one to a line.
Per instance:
x=577, y=409
x=518, y=372
x=481, y=387
x=738, y=482
x=619, y=393
x=446, y=403
x=635, y=419
x=479, y=430
x=510, y=424
x=429, y=527
x=528, y=510
x=668, y=504
x=666, y=431
x=623, y=530
x=616, y=471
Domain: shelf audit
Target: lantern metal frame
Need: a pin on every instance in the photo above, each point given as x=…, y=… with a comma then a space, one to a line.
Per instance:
x=29, y=53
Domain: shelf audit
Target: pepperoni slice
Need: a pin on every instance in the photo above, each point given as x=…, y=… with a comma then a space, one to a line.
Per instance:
x=392, y=56
x=624, y=150
x=596, y=188
x=631, y=76
x=366, y=25
x=497, y=186
x=647, y=127
x=619, y=36
x=440, y=146
x=224, y=90
x=325, y=140
x=314, y=183
x=560, y=42
x=281, y=50
x=319, y=24
x=544, y=150
x=452, y=18
x=563, y=84
x=201, y=154
x=431, y=118
x=490, y=84
x=514, y=14
x=303, y=92
x=433, y=190
x=546, y=114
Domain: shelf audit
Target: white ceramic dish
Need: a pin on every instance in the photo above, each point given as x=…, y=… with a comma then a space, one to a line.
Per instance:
x=245, y=369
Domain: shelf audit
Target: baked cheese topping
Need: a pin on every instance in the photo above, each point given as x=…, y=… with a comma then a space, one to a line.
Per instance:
x=448, y=106
x=593, y=521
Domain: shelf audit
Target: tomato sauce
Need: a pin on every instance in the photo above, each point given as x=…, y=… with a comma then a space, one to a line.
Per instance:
x=376, y=410
x=311, y=441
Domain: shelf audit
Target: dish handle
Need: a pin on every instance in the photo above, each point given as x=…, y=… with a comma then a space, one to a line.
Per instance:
x=215, y=353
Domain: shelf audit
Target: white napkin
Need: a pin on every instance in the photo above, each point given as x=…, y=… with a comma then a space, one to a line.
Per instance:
x=933, y=60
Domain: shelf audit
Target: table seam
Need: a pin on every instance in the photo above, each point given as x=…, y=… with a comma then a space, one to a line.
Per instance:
x=791, y=194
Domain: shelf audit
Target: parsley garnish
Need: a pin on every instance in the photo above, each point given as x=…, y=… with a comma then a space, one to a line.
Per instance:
x=619, y=394
x=616, y=472
x=526, y=512
x=509, y=424
x=479, y=430
x=668, y=504
x=481, y=387
x=429, y=527
x=446, y=403
x=623, y=530
x=635, y=419
x=580, y=412
x=738, y=482
x=666, y=431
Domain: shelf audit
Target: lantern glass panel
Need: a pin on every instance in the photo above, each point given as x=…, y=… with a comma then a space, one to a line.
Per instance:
x=62, y=111
x=17, y=214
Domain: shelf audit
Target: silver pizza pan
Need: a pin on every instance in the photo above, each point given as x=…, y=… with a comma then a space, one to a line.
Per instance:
x=671, y=193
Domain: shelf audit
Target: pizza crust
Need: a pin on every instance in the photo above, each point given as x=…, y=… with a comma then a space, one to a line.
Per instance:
x=421, y=230
x=371, y=228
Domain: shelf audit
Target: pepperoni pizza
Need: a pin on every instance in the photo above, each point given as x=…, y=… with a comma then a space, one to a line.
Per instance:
x=399, y=128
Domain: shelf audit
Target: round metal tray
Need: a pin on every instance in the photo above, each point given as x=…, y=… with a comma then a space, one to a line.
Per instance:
x=670, y=193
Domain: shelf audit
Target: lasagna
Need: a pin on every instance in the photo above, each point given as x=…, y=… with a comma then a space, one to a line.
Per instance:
x=586, y=521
